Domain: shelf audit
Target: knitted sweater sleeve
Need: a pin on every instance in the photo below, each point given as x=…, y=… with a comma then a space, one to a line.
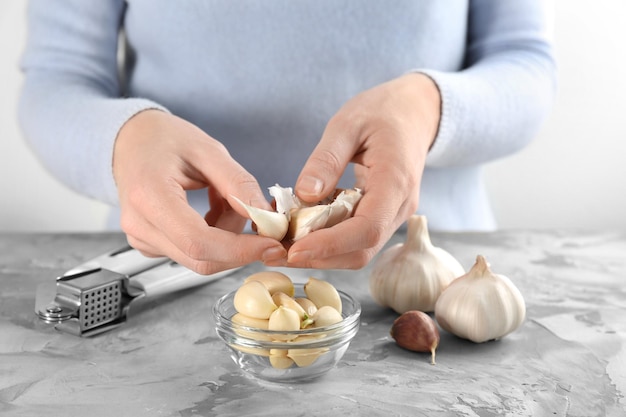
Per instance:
x=70, y=107
x=496, y=104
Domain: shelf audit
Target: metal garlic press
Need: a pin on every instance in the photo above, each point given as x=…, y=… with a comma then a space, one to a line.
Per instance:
x=95, y=296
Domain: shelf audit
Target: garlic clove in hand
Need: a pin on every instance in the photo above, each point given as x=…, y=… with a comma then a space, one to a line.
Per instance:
x=306, y=220
x=294, y=219
x=343, y=206
x=268, y=223
x=412, y=275
x=481, y=305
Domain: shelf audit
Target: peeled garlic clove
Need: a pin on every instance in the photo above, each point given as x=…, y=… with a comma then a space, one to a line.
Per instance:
x=251, y=322
x=307, y=305
x=322, y=293
x=268, y=223
x=416, y=331
x=284, y=319
x=413, y=274
x=253, y=299
x=326, y=316
x=279, y=359
x=274, y=281
x=244, y=320
x=481, y=305
x=305, y=357
x=251, y=350
x=282, y=299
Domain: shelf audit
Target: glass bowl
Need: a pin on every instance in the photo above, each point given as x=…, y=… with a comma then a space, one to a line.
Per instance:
x=287, y=356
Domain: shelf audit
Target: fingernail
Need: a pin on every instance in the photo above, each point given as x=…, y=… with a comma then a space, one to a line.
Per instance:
x=299, y=257
x=310, y=185
x=274, y=254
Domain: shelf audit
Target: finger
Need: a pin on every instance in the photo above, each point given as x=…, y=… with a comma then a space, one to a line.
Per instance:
x=350, y=236
x=188, y=238
x=352, y=260
x=222, y=215
x=379, y=213
x=217, y=167
x=327, y=162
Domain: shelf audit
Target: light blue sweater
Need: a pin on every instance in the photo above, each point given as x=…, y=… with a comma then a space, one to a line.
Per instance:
x=265, y=76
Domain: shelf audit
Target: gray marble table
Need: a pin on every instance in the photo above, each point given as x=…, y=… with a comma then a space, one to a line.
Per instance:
x=568, y=358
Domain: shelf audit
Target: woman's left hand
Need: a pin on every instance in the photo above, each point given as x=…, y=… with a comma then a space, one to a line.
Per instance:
x=386, y=132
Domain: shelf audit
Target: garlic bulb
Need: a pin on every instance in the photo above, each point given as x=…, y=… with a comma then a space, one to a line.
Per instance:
x=412, y=275
x=480, y=305
x=294, y=219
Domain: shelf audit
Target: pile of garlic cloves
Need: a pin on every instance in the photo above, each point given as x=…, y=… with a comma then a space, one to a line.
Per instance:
x=417, y=276
x=294, y=219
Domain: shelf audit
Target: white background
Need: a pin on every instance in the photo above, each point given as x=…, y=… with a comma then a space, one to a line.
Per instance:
x=572, y=176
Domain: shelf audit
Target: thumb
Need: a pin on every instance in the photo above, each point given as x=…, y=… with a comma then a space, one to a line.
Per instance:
x=326, y=164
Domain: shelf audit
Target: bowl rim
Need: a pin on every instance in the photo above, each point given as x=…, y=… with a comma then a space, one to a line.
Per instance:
x=333, y=332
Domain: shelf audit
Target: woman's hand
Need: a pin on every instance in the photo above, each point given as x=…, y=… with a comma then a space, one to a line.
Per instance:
x=158, y=157
x=386, y=132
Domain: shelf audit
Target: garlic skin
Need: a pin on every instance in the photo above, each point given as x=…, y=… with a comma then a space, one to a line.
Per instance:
x=481, y=305
x=412, y=275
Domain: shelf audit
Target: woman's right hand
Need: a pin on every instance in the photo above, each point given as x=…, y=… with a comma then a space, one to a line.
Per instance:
x=157, y=158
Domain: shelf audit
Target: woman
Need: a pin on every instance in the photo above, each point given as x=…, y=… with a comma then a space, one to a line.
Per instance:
x=205, y=100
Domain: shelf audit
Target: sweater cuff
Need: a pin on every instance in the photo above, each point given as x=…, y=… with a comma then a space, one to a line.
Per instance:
x=447, y=122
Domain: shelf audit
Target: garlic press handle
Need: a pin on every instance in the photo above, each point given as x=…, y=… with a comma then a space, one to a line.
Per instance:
x=168, y=278
x=125, y=261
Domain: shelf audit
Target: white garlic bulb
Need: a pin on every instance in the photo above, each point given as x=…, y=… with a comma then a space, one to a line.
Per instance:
x=481, y=305
x=412, y=275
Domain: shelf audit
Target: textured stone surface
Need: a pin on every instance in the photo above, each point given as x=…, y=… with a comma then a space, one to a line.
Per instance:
x=568, y=358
